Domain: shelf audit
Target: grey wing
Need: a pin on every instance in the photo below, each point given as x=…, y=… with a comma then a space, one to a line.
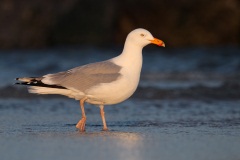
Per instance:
x=84, y=77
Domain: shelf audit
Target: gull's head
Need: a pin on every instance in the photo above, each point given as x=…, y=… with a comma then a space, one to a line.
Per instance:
x=142, y=37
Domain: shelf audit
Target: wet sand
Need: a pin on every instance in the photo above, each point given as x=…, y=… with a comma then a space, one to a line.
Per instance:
x=139, y=129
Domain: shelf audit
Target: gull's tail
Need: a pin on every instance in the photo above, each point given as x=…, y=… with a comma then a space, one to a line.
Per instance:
x=35, y=85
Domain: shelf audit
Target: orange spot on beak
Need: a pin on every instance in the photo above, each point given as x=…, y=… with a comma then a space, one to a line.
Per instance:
x=157, y=42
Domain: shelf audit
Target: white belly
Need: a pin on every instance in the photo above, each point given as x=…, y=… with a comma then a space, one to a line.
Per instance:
x=114, y=92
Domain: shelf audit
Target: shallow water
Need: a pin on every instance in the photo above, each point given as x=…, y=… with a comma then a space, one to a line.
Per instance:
x=186, y=107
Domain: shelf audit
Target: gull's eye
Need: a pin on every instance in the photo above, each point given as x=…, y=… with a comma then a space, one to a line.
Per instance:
x=142, y=35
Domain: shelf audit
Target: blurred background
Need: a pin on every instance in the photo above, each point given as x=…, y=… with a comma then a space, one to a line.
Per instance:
x=202, y=39
x=180, y=23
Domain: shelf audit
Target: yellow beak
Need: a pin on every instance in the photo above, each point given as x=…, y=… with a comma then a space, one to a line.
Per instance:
x=157, y=42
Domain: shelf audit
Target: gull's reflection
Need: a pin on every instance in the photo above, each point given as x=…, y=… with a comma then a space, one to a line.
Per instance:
x=114, y=134
x=124, y=145
x=128, y=138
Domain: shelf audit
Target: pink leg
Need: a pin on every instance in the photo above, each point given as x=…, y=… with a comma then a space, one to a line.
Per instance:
x=81, y=124
x=103, y=118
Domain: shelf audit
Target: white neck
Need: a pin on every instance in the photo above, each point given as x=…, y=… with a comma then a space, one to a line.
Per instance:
x=131, y=57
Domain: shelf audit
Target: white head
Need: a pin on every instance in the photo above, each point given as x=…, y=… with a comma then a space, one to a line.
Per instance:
x=142, y=37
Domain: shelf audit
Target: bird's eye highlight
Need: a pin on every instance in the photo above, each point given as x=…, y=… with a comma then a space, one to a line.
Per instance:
x=142, y=35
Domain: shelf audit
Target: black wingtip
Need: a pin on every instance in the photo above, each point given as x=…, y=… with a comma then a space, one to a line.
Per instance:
x=16, y=78
x=39, y=84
